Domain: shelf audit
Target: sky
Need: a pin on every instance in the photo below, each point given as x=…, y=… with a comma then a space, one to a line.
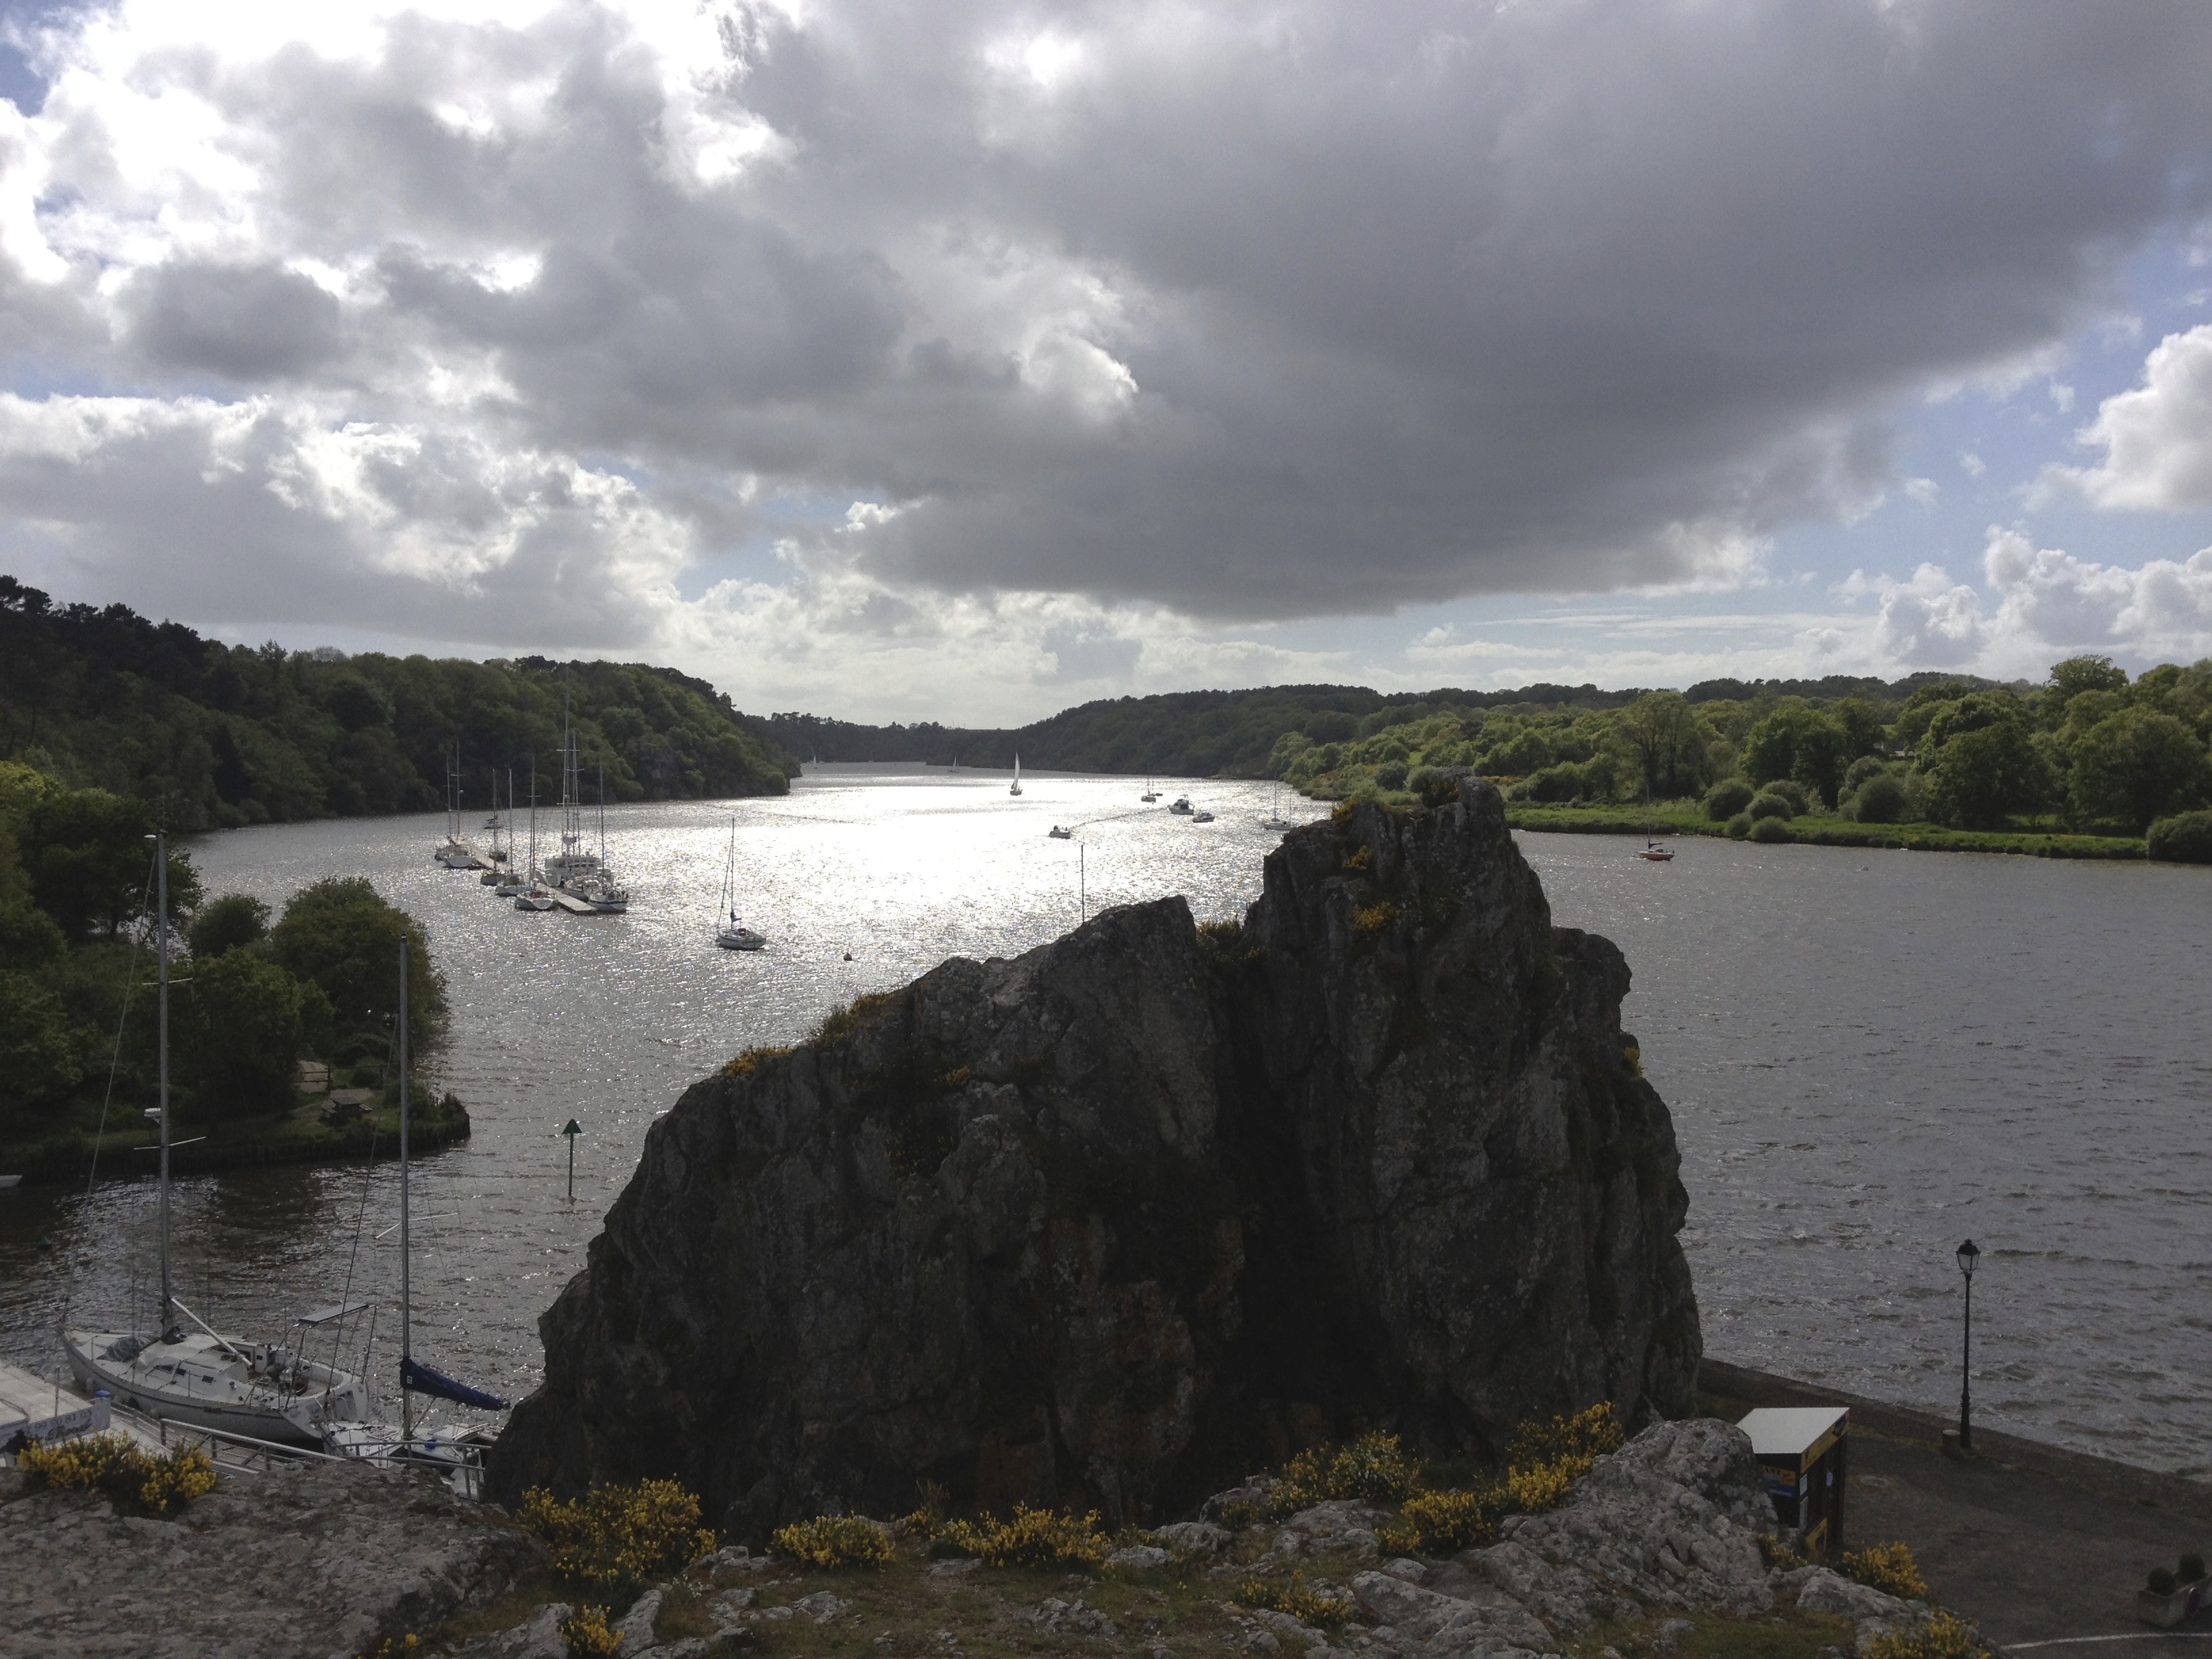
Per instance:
x=968, y=359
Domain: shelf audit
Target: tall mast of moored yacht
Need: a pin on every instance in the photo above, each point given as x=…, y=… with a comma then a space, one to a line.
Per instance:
x=161, y=967
x=406, y=1287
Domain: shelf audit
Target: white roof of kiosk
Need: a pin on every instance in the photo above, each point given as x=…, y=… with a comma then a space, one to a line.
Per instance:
x=1790, y=1430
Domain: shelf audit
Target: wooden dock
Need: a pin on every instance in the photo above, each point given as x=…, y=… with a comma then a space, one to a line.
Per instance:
x=571, y=903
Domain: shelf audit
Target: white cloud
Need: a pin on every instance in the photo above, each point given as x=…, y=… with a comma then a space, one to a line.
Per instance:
x=2157, y=436
x=1145, y=322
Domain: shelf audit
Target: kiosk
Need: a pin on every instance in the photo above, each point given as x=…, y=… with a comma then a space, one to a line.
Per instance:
x=1800, y=1451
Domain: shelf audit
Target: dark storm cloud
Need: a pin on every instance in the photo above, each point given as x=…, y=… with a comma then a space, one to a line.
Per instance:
x=1262, y=311
x=245, y=323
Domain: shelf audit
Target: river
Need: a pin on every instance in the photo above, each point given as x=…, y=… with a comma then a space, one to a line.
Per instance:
x=1870, y=1056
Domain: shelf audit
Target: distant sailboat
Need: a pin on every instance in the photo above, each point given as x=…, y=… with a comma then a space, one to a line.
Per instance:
x=1275, y=820
x=1017, y=789
x=455, y=853
x=1150, y=794
x=733, y=935
x=533, y=896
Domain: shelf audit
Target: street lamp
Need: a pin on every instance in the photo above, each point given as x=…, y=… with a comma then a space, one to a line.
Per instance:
x=1967, y=1256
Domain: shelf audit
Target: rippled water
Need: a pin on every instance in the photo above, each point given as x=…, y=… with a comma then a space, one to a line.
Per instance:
x=1870, y=1056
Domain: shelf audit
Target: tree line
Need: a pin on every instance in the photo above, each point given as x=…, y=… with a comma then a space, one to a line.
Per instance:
x=77, y=894
x=220, y=736
x=2090, y=748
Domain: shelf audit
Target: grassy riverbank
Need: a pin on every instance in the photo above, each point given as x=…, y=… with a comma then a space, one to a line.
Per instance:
x=1686, y=818
x=64, y=1151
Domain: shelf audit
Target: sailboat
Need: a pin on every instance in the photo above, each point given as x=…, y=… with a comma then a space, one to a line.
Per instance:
x=1653, y=853
x=455, y=853
x=573, y=860
x=1017, y=789
x=515, y=878
x=1150, y=794
x=461, y=1450
x=1275, y=820
x=733, y=935
x=598, y=889
x=533, y=896
x=496, y=874
x=256, y=1390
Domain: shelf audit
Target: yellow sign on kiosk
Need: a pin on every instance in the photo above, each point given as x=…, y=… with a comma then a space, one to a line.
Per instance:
x=1800, y=1451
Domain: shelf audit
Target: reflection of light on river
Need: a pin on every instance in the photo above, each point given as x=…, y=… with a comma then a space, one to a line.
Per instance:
x=1869, y=1055
x=609, y=1019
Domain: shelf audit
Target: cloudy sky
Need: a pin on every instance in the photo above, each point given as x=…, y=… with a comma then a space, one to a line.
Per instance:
x=967, y=360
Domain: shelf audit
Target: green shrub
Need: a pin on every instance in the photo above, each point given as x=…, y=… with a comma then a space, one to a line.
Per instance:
x=1945, y=1636
x=833, y=1541
x=1865, y=767
x=1739, y=826
x=1770, y=829
x=1768, y=804
x=619, y=1538
x=1441, y=1522
x=1888, y=1568
x=1033, y=1538
x=1727, y=798
x=2186, y=838
x=2161, y=1581
x=1373, y=1468
x=588, y=1635
x=1297, y=1598
x=1800, y=799
x=1880, y=800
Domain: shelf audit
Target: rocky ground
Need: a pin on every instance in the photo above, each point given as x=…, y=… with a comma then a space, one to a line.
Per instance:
x=1658, y=1552
x=311, y=1561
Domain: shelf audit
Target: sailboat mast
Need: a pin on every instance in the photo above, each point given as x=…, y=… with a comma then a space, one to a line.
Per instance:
x=406, y=1286
x=162, y=952
x=603, y=814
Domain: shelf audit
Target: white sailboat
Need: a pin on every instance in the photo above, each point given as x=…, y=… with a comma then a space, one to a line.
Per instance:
x=455, y=853
x=733, y=934
x=497, y=873
x=515, y=878
x=597, y=888
x=574, y=859
x=459, y=1450
x=260, y=1390
x=1150, y=794
x=1275, y=820
x=1017, y=789
x=533, y=895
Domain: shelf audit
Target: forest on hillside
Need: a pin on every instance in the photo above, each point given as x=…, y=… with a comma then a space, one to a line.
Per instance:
x=215, y=735
x=1234, y=733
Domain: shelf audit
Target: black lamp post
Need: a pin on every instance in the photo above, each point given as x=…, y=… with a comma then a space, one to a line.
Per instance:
x=1967, y=1256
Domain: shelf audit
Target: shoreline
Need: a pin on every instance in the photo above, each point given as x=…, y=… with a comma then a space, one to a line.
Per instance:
x=1836, y=832
x=260, y=1143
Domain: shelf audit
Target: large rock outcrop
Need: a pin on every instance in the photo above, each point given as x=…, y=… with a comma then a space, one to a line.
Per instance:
x=1119, y=1218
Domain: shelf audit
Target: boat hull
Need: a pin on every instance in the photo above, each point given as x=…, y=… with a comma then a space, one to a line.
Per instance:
x=196, y=1382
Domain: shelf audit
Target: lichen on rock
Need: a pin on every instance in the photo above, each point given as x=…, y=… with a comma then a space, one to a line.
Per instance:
x=1114, y=1221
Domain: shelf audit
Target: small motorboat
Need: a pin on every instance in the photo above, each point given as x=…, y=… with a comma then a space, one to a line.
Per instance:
x=1655, y=853
x=1180, y=806
x=1059, y=834
x=1201, y=818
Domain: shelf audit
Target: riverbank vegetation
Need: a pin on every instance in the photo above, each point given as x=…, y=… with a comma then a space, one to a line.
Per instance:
x=249, y=1000
x=218, y=736
x=2089, y=764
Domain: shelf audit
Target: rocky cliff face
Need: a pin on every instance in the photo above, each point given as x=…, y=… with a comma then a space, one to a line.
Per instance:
x=1115, y=1220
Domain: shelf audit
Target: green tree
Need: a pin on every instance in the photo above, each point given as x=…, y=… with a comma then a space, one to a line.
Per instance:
x=2070, y=678
x=1670, y=743
x=1923, y=705
x=2136, y=766
x=1800, y=742
x=39, y=1063
x=240, y=1034
x=1980, y=775
x=90, y=864
x=341, y=935
x=228, y=923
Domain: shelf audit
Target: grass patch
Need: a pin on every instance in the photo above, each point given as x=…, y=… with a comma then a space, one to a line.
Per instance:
x=2041, y=841
x=1790, y=1635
